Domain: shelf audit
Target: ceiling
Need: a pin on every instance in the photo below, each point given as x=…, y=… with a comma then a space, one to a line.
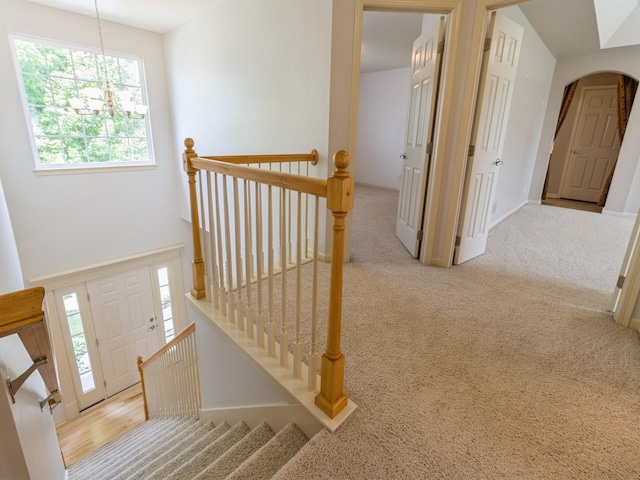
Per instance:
x=568, y=27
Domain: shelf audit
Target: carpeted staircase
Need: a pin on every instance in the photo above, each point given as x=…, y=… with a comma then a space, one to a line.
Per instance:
x=184, y=449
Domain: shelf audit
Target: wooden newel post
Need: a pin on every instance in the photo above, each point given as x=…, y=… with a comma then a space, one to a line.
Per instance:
x=144, y=392
x=340, y=188
x=197, y=266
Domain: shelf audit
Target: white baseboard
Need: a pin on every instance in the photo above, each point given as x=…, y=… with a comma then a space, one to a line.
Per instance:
x=619, y=214
x=277, y=416
x=377, y=186
x=534, y=202
x=508, y=214
x=634, y=324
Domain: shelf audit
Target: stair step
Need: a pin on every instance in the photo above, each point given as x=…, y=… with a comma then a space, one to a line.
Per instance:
x=183, y=457
x=184, y=449
x=241, y=451
x=198, y=463
x=139, y=431
x=157, y=458
x=103, y=469
x=264, y=463
x=148, y=431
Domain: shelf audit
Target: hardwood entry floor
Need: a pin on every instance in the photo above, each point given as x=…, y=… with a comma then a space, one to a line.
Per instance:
x=100, y=424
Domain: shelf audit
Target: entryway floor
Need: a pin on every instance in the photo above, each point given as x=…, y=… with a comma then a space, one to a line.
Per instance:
x=100, y=424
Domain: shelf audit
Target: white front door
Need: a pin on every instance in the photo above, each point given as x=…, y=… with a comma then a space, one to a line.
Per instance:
x=426, y=62
x=499, y=68
x=125, y=325
x=595, y=145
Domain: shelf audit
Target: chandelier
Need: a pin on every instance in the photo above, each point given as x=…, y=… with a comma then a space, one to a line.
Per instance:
x=106, y=102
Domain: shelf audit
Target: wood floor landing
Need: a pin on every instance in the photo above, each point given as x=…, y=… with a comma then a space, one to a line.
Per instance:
x=100, y=424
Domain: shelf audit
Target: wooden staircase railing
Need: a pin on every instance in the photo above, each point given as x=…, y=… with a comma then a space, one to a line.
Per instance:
x=21, y=312
x=250, y=226
x=170, y=378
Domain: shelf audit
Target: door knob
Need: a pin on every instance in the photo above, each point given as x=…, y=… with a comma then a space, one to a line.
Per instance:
x=577, y=152
x=403, y=156
x=498, y=162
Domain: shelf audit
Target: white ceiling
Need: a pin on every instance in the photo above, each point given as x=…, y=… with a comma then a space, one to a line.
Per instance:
x=568, y=27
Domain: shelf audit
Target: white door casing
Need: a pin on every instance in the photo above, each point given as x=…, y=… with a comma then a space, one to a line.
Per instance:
x=499, y=69
x=125, y=325
x=595, y=144
x=426, y=60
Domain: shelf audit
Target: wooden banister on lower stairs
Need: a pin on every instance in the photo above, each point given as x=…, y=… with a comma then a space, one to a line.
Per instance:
x=170, y=378
x=250, y=226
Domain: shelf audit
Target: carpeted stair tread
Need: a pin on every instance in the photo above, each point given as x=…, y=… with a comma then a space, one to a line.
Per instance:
x=139, y=431
x=111, y=465
x=105, y=454
x=237, y=454
x=155, y=459
x=264, y=463
x=162, y=471
x=198, y=463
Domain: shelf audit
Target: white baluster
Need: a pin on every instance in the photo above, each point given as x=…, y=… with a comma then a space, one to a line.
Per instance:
x=220, y=247
x=284, y=336
x=313, y=355
x=212, y=247
x=231, y=307
x=297, y=366
x=248, y=256
x=271, y=328
x=238, y=241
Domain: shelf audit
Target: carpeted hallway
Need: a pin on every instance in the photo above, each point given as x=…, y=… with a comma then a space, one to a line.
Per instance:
x=506, y=367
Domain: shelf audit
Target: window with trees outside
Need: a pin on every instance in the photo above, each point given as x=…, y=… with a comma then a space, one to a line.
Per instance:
x=52, y=74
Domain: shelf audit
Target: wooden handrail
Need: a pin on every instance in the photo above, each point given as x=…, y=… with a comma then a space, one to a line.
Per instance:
x=177, y=339
x=278, y=158
x=289, y=181
x=338, y=190
x=20, y=309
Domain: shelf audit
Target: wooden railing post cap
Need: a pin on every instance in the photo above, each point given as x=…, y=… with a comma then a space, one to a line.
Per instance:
x=341, y=160
x=188, y=153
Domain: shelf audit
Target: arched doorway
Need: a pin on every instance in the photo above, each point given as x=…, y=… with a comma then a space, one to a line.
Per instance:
x=588, y=136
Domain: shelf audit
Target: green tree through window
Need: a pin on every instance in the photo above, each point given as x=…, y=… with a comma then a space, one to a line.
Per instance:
x=51, y=75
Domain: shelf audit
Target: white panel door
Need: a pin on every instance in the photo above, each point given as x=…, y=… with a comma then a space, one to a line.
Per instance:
x=419, y=132
x=595, y=145
x=125, y=325
x=500, y=64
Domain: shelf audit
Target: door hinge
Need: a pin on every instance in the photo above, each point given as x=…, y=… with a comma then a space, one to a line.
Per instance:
x=458, y=240
x=487, y=44
x=429, y=148
x=97, y=343
x=105, y=384
x=472, y=150
x=88, y=297
x=441, y=46
x=419, y=236
x=621, y=280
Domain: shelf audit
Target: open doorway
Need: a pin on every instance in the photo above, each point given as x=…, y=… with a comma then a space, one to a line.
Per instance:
x=589, y=133
x=389, y=107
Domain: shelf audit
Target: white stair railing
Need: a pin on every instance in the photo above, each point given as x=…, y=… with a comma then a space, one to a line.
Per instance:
x=170, y=379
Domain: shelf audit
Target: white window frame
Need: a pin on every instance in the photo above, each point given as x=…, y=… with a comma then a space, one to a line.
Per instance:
x=67, y=168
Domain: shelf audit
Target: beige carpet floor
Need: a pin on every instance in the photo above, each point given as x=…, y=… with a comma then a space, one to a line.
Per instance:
x=506, y=367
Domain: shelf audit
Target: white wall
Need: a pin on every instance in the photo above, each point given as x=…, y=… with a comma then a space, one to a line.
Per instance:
x=252, y=77
x=623, y=195
x=39, y=450
x=382, y=119
x=67, y=221
x=526, y=117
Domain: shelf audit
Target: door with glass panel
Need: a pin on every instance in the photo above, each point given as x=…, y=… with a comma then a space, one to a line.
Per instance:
x=82, y=353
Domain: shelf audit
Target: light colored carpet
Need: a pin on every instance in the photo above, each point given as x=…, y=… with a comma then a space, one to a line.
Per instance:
x=505, y=367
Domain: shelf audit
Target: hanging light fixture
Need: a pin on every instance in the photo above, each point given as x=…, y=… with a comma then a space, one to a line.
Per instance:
x=106, y=102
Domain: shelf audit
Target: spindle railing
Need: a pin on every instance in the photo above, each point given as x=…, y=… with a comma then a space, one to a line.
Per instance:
x=170, y=379
x=256, y=228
